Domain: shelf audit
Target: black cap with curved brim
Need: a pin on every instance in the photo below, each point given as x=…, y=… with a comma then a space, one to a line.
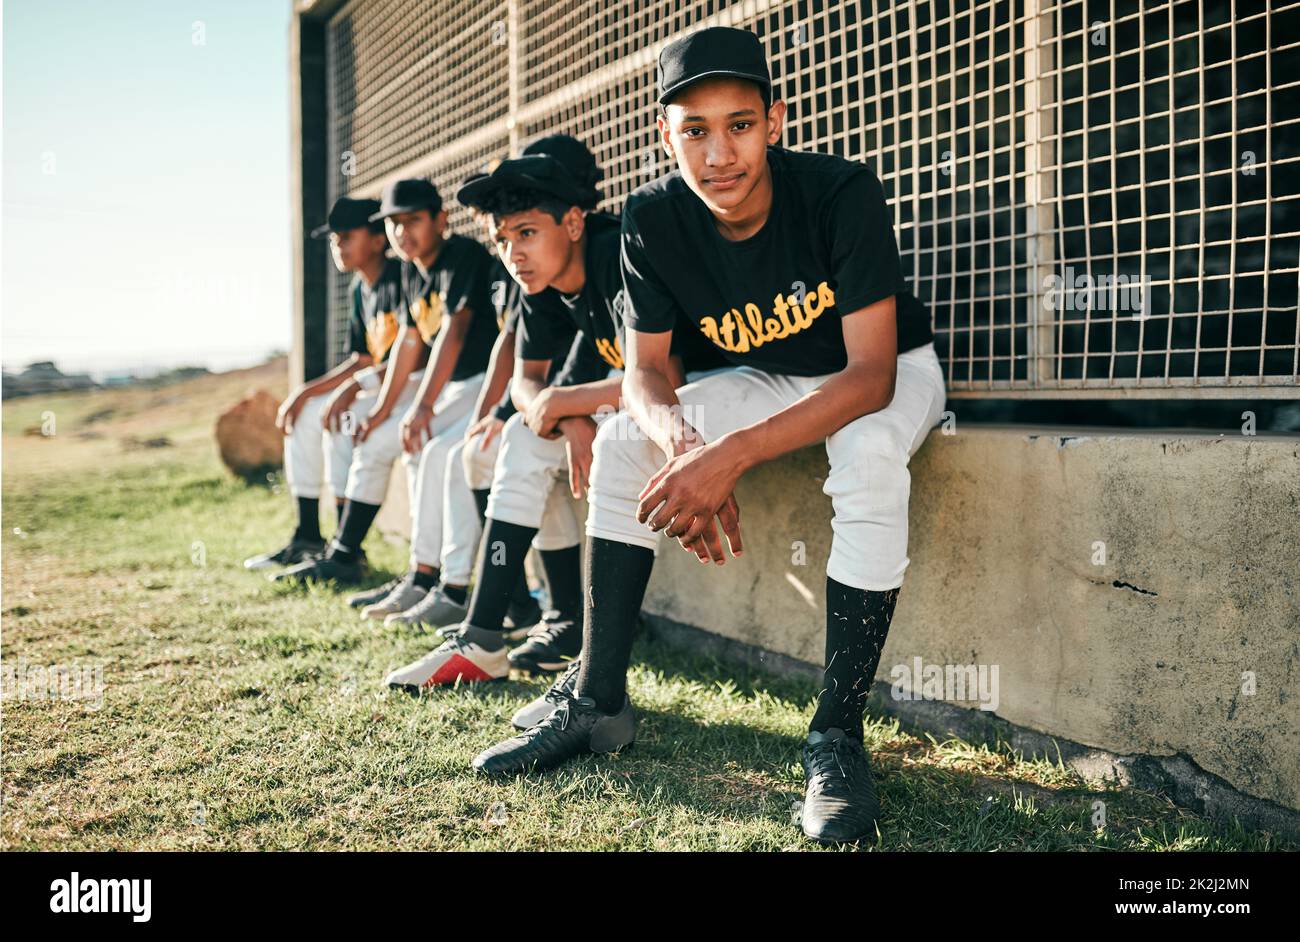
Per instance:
x=348, y=213
x=408, y=196
x=711, y=53
x=575, y=155
x=540, y=172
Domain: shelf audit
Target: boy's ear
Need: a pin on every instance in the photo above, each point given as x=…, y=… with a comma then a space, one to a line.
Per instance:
x=775, y=121
x=575, y=222
x=662, y=121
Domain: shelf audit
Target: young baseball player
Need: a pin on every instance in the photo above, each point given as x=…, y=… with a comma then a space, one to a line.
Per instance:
x=467, y=477
x=310, y=416
x=448, y=323
x=568, y=264
x=787, y=262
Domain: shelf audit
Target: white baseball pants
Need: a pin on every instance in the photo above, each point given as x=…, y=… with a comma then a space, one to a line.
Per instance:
x=309, y=450
x=469, y=469
x=451, y=415
x=868, y=484
x=372, y=460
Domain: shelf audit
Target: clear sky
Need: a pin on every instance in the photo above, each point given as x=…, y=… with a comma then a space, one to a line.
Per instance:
x=146, y=182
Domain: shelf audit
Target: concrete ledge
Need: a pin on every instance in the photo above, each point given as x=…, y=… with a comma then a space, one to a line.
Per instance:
x=1136, y=664
x=1144, y=652
x=1176, y=777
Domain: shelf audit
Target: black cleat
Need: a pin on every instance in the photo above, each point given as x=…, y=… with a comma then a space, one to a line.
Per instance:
x=840, y=804
x=551, y=645
x=294, y=552
x=326, y=569
x=574, y=728
x=530, y=714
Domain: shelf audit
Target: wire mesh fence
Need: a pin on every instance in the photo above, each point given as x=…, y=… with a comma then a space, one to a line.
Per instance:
x=1095, y=198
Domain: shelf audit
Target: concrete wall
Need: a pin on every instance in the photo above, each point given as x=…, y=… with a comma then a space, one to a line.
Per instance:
x=1144, y=654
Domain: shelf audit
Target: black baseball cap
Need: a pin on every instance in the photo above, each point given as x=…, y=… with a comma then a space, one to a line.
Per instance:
x=709, y=53
x=347, y=213
x=540, y=172
x=408, y=196
x=576, y=157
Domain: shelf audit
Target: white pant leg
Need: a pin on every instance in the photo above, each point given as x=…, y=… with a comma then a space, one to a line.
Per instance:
x=451, y=414
x=559, y=528
x=625, y=458
x=525, y=473
x=304, y=454
x=469, y=469
x=372, y=460
x=869, y=483
x=460, y=524
x=529, y=472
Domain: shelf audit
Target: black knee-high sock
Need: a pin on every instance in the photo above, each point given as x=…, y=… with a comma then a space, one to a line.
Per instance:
x=308, y=519
x=564, y=580
x=500, y=567
x=480, y=502
x=357, y=518
x=338, y=513
x=857, y=622
x=616, y=579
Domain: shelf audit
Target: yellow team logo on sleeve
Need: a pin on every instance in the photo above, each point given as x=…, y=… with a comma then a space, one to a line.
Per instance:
x=612, y=353
x=738, y=333
x=380, y=334
x=427, y=314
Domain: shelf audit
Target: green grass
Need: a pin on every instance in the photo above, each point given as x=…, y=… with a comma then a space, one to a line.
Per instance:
x=242, y=715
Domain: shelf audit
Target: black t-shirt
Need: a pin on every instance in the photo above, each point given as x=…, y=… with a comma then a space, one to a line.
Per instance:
x=580, y=365
x=548, y=316
x=772, y=301
x=372, y=328
x=458, y=279
x=596, y=311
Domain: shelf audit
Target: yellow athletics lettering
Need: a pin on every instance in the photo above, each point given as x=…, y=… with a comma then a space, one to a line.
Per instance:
x=737, y=339
x=738, y=332
x=754, y=321
x=612, y=353
x=818, y=301
x=783, y=312
x=801, y=319
x=382, y=333
x=709, y=327
x=428, y=316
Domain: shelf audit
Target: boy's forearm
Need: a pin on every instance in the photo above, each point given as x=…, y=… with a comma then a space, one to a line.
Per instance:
x=399, y=370
x=853, y=392
x=500, y=367
x=587, y=398
x=335, y=377
x=651, y=399
x=442, y=363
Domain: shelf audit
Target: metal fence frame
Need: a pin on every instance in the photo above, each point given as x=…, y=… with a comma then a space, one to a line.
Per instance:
x=419, y=91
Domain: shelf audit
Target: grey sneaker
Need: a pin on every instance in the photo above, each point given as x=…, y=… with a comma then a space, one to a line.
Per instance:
x=371, y=596
x=533, y=713
x=406, y=594
x=435, y=610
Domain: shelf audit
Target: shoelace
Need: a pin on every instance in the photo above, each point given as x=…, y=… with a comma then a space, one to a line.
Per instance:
x=559, y=719
x=547, y=631
x=823, y=754
x=559, y=688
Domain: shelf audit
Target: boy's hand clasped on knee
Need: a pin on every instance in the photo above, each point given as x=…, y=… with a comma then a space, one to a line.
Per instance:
x=688, y=492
